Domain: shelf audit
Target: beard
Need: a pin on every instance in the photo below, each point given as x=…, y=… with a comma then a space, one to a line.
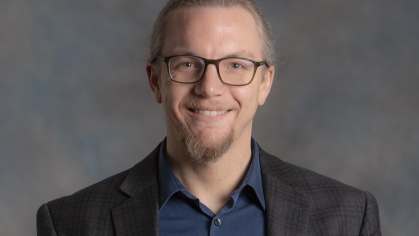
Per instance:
x=199, y=152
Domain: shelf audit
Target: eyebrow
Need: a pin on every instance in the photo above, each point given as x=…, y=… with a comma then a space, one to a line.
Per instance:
x=185, y=53
x=241, y=54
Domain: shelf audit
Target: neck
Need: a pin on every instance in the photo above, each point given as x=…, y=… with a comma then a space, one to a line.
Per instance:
x=213, y=183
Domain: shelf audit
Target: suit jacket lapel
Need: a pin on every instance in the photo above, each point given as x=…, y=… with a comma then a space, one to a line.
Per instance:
x=138, y=215
x=287, y=210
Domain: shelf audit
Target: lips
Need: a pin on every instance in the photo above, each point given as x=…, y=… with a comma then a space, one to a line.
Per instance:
x=209, y=112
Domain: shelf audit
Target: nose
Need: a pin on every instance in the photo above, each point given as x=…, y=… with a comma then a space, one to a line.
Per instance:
x=210, y=84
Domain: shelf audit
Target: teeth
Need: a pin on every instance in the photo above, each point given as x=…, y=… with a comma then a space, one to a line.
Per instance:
x=210, y=113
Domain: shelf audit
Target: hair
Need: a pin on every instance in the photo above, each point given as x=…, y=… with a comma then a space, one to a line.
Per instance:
x=157, y=37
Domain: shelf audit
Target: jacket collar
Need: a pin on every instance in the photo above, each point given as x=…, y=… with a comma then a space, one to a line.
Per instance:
x=287, y=209
x=138, y=215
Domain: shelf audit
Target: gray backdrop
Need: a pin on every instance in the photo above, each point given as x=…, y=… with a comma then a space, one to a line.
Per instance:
x=75, y=106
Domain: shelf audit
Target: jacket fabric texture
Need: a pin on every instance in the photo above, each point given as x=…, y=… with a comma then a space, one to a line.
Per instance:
x=298, y=202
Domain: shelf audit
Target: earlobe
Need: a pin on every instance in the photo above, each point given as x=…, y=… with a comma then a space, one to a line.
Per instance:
x=266, y=85
x=154, y=82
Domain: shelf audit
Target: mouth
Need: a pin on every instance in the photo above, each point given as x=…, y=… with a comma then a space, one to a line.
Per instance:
x=209, y=113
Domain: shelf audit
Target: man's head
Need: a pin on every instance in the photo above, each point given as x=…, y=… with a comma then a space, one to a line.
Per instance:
x=209, y=114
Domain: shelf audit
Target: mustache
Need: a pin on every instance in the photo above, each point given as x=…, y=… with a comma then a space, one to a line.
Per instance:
x=201, y=104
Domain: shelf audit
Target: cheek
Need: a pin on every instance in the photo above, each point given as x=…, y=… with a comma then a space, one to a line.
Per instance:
x=172, y=96
x=247, y=97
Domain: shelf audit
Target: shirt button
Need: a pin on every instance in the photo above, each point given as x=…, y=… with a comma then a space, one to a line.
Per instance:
x=217, y=222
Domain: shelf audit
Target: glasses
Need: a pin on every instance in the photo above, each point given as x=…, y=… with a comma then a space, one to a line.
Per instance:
x=232, y=70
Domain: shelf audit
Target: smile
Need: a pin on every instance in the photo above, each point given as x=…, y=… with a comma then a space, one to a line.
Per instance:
x=209, y=113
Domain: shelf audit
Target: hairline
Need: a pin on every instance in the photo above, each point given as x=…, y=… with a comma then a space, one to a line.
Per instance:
x=262, y=26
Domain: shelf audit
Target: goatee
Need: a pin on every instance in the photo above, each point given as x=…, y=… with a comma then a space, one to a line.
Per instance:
x=199, y=152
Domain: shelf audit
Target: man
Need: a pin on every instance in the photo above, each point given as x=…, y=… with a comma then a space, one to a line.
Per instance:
x=211, y=66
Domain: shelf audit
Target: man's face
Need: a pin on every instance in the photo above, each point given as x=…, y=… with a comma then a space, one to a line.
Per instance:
x=211, y=112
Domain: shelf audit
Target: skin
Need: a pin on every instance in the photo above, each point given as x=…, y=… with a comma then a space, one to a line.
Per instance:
x=211, y=33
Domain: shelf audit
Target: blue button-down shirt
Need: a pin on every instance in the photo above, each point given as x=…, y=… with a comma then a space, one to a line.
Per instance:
x=181, y=213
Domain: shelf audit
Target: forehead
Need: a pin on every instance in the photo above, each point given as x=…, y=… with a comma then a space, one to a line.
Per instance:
x=211, y=32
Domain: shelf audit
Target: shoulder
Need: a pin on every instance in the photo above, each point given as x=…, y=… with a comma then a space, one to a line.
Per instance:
x=117, y=186
x=95, y=202
x=328, y=201
x=304, y=180
x=105, y=191
x=72, y=213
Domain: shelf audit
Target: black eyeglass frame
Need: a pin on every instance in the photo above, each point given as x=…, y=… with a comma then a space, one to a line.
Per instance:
x=214, y=62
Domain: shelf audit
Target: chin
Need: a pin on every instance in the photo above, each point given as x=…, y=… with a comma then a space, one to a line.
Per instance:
x=203, y=149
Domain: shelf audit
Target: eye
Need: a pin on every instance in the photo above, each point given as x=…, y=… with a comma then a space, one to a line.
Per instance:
x=236, y=65
x=187, y=64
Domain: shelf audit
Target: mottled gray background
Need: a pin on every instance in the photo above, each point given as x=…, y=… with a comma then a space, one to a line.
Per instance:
x=75, y=106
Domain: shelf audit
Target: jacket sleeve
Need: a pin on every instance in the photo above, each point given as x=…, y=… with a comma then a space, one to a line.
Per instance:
x=44, y=224
x=371, y=220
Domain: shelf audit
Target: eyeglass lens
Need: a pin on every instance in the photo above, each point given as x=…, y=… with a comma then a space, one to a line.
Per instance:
x=189, y=69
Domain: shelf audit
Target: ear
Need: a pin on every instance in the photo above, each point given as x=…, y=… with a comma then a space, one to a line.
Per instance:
x=154, y=82
x=265, y=86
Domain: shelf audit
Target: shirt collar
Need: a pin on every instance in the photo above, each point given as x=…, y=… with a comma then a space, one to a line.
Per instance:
x=255, y=174
x=166, y=178
x=169, y=184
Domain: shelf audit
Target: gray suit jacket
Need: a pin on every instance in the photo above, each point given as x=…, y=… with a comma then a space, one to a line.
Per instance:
x=298, y=202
